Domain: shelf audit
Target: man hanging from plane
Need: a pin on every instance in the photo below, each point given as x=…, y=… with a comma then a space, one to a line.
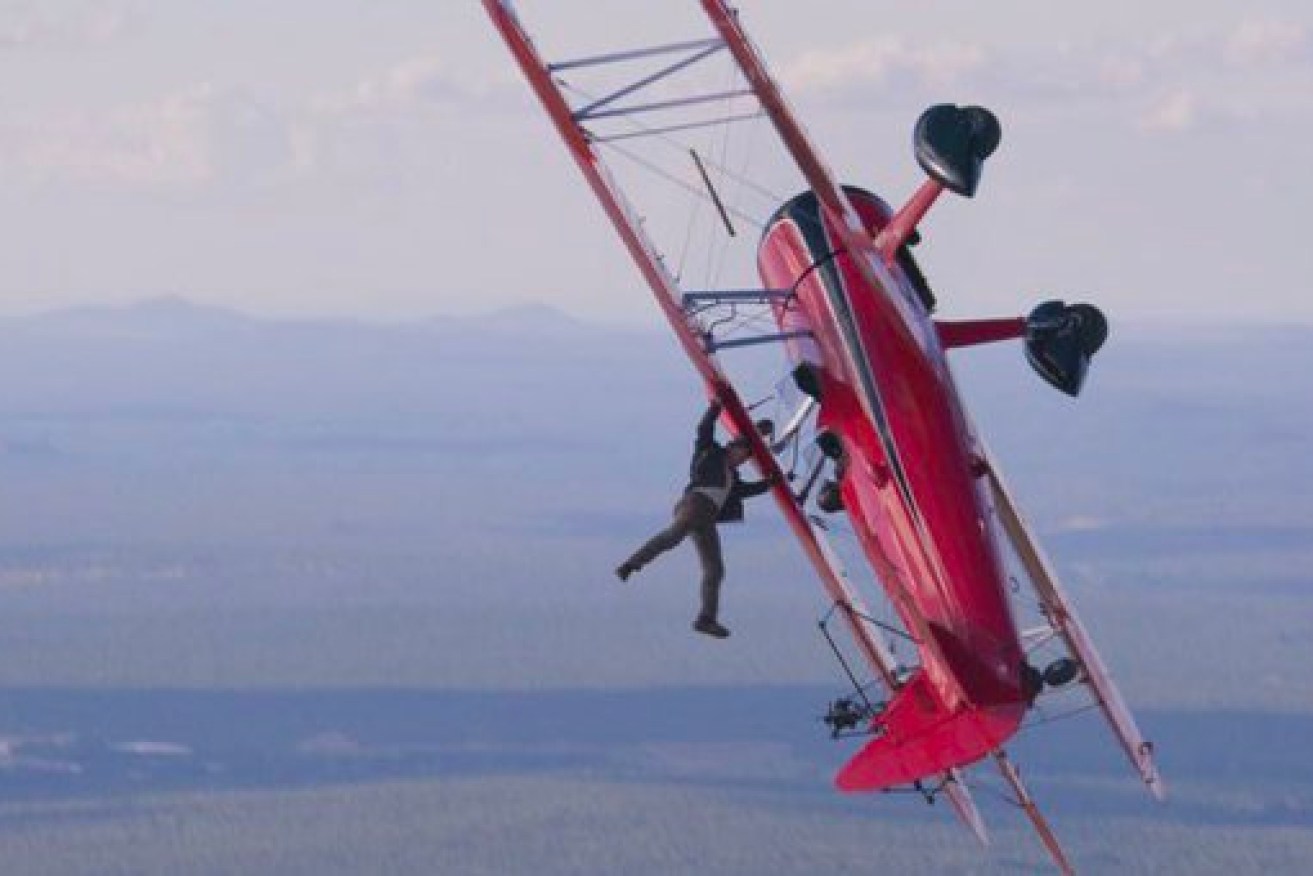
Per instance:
x=714, y=493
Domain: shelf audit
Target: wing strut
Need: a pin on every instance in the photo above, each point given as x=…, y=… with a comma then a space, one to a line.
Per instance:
x=1037, y=819
x=964, y=806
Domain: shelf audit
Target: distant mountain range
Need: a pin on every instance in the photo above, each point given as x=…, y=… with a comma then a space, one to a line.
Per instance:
x=177, y=316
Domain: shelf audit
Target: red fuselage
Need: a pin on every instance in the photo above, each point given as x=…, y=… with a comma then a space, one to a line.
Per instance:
x=911, y=480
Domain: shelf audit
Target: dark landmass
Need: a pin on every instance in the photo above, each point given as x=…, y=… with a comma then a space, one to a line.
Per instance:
x=319, y=597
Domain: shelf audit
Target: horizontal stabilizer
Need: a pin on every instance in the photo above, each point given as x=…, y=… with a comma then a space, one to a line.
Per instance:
x=920, y=737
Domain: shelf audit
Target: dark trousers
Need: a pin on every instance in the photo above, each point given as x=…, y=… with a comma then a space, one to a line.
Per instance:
x=694, y=517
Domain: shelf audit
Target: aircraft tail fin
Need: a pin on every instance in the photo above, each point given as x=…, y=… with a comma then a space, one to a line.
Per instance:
x=920, y=737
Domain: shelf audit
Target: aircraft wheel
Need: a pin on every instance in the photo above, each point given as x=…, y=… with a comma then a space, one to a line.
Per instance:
x=1061, y=672
x=1091, y=327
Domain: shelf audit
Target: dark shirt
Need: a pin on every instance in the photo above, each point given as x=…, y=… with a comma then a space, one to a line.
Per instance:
x=710, y=466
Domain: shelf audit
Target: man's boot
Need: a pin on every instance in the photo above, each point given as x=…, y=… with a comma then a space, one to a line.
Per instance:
x=708, y=626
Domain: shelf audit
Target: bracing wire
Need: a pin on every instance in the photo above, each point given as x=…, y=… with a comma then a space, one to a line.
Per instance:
x=1061, y=716
x=718, y=254
x=681, y=147
x=683, y=184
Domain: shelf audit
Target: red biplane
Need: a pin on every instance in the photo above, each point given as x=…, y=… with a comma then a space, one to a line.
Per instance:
x=872, y=442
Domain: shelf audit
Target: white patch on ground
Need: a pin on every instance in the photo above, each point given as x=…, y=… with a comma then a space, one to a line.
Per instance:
x=149, y=748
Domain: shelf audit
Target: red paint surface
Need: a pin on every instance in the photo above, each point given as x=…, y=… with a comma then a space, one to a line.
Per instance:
x=925, y=531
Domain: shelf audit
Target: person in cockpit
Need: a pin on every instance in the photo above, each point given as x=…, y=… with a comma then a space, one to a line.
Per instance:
x=714, y=494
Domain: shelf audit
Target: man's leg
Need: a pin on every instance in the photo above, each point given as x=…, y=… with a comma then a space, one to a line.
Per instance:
x=684, y=518
x=707, y=540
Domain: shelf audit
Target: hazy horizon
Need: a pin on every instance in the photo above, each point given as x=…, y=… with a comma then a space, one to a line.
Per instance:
x=651, y=321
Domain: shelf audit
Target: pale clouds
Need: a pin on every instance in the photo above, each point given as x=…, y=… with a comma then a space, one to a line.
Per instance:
x=1168, y=82
x=204, y=136
x=1173, y=113
x=36, y=26
x=413, y=84
x=883, y=62
x=1259, y=69
x=1268, y=42
x=385, y=125
x=1121, y=72
x=188, y=139
x=1251, y=45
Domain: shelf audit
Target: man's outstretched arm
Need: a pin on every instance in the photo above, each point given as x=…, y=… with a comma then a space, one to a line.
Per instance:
x=707, y=426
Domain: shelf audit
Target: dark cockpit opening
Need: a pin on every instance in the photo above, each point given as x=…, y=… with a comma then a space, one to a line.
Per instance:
x=876, y=214
x=912, y=269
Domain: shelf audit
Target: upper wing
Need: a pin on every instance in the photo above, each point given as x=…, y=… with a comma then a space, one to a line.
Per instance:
x=1062, y=616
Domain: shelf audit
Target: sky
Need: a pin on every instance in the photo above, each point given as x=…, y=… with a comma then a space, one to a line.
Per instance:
x=383, y=160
